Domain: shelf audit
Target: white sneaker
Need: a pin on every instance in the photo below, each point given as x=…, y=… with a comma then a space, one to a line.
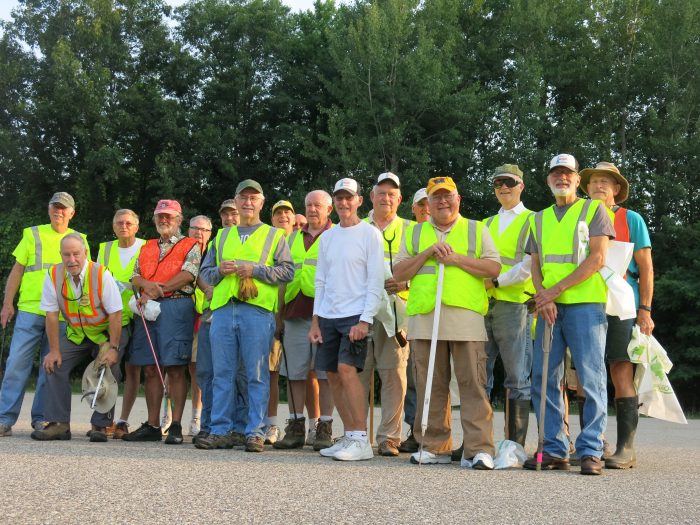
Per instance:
x=481, y=461
x=311, y=436
x=330, y=451
x=355, y=450
x=272, y=434
x=194, y=426
x=429, y=458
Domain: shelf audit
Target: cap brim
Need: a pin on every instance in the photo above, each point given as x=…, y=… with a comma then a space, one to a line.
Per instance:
x=447, y=187
x=510, y=175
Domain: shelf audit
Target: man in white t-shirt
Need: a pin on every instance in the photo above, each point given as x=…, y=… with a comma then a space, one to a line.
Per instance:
x=349, y=282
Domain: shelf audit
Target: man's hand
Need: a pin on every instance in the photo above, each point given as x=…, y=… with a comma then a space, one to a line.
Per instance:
x=7, y=313
x=545, y=296
x=645, y=322
x=392, y=286
x=52, y=361
x=153, y=289
x=359, y=331
x=244, y=270
x=548, y=312
x=208, y=292
x=110, y=358
x=227, y=267
x=441, y=249
x=451, y=259
x=315, y=333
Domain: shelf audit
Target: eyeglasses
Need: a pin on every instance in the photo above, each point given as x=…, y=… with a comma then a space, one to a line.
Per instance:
x=127, y=224
x=253, y=199
x=508, y=183
x=198, y=229
x=448, y=197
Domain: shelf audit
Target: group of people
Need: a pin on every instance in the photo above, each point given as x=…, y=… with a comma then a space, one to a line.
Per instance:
x=325, y=305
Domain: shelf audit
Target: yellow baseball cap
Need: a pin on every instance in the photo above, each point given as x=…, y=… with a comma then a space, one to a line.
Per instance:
x=441, y=183
x=282, y=204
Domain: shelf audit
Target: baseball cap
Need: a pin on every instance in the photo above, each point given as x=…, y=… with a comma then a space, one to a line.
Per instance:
x=420, y=195
x=228, y=203
x=282, y=204
x=440, y=183
x=563, y=159
x=508, y=170
x=168, y=206
x=62, y=198
x=347, y=184
x=249, y=183
x=390, y=177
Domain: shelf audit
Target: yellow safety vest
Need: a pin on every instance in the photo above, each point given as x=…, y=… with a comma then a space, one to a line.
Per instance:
x=304, y=267
x=45, y=244
x=108, y=256
x=201, y=303
x=85, y=315
x=396, y=232
x=258, y=249
x=558, y=250
x=511, y=248
x=460, y=288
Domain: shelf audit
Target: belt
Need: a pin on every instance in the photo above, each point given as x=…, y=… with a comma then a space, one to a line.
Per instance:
x=178, y=296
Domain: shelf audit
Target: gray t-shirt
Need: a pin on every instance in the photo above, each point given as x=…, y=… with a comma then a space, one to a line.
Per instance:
x=600, y=225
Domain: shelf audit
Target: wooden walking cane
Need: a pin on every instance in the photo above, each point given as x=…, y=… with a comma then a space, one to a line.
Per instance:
x=546, y=348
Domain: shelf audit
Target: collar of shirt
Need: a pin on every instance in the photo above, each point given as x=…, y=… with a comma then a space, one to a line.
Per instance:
x=440, y=228
x=171, y=240
x=370, y=216
x=515, y=211
x=305, y=228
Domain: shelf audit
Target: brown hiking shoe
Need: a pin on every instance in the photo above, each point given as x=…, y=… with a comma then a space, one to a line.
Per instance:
x=214, y=441
x=548, y=463
x=255, y=444
x=53, y=431
x=591, y=465
x=120, y=430
x=324, y=435
x=294, y=435
x=388, y=448
x=238, y=439
x=409, y=444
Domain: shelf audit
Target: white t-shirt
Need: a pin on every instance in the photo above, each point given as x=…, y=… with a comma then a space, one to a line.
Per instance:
x=126, y=254
x=349, y=272
x=111, y=298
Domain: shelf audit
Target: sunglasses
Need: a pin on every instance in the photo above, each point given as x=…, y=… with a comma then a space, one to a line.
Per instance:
x=508, y=183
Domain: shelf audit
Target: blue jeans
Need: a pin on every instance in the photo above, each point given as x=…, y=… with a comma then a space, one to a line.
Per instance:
x=241, y=337
x=409, y=402
x=205, y=373
x=582, y=328
x=508, y=326
x=29, y=333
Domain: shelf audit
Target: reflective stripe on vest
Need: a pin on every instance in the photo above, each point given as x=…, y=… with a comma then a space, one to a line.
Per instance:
x=256, y=249
x=305, y=262
x=461, y=289
x=85, y=317
x=558, y=265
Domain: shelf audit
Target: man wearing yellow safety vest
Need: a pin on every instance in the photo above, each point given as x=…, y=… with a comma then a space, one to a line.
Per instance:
x=469, y=256
x=245, y=265
x=386, y=353
x=87, y=296
x=568, y=242
x=508, y=324
x=36, y=252
x=297, y=308
x=119, y=257
x=606, y=183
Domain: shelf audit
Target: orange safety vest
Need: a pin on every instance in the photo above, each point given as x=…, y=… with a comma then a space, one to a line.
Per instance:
x=153, y=268
x=622, y=229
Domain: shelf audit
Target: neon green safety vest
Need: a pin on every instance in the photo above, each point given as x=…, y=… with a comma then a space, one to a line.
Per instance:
x=460, y=288
x=108, y=256
x=511, y=247
x=85, y=316
x=304, y=267
x=45, y=244
x=558, y=250
x=258, y=249
x=395, y=232
x=201, y=303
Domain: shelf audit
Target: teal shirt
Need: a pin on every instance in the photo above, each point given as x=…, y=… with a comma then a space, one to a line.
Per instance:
x=639, y=236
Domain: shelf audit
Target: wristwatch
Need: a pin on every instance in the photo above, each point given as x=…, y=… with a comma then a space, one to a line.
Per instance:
x=114, y=347
x=495, y=282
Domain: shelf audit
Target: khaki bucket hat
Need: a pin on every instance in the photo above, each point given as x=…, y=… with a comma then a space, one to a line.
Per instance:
x=107, y=395
x=606, y=168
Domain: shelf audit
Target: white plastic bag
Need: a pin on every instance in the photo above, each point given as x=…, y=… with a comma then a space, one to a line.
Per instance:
x=508, y=454
x=620, y=295
x=151, y=311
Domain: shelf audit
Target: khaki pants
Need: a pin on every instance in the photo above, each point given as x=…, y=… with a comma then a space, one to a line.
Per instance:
x=389, y=359
x=469, y=358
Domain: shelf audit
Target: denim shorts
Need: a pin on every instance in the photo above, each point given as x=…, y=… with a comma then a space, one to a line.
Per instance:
x=618, y=338
x=337, y=347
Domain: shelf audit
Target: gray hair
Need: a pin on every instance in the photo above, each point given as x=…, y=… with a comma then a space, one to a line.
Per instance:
x=327, y=199
x=202, y=218
x=125, y=211
x=76, y=236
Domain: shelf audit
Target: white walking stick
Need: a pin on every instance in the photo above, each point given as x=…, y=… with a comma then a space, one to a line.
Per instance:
x=97, y=390
x=431, y=359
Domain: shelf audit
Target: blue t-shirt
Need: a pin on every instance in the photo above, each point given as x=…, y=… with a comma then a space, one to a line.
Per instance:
x=639, y=236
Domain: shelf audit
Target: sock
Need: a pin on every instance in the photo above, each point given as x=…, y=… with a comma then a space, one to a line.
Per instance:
x=120, y=420
x=196, y=413
x=271, y=420
x=359, y=435
x=312, y=423
x=326, y=418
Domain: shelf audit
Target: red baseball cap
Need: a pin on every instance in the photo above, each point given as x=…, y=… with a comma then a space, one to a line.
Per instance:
x=168, y=206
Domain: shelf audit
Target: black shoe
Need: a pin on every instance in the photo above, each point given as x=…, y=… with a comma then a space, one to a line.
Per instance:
x=457, y=454
x=144, y=433
x=201, y=435
x=409, y=444
x=174, y=434
x=98, y=435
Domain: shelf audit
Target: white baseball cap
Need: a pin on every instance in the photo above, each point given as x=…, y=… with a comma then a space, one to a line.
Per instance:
x=563, y=159
x=420, y=195
x=389, y=176
x=347, y=184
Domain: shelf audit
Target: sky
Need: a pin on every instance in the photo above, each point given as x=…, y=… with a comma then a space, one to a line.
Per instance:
x=6, y=6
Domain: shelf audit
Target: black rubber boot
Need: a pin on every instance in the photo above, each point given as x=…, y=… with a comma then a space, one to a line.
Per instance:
x=627, y=420
x=518, y=419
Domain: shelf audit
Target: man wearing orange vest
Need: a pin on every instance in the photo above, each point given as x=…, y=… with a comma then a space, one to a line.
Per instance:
x=35, y=253
x=87, y=296
x=605, y=183
x=166, y=272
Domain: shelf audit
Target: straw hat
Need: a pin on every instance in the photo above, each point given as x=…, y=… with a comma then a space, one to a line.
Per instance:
x=606, y=168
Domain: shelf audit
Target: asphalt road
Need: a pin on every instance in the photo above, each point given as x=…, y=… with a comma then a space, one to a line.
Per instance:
x=118, y=482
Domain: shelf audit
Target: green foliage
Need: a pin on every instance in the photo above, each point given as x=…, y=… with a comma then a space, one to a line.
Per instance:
x=123, y=102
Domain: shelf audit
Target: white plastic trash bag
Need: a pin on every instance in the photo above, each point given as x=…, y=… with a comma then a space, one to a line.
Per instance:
x=656, y=395
x=151, y=311
x=508, y=454
x=620, y=295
